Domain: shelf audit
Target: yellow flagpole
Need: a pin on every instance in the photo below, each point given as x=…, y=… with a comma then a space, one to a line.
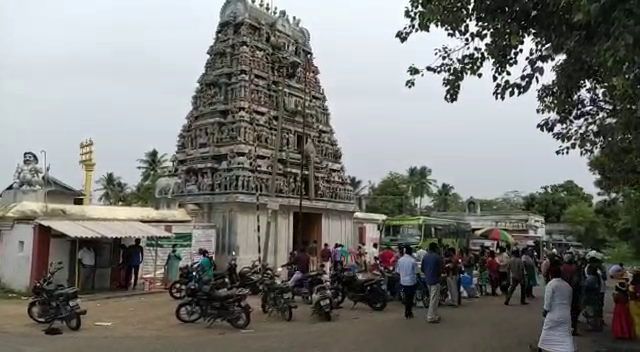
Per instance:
x=88, y=166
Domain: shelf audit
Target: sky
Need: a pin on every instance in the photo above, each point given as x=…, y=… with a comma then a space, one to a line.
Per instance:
x=122, y=72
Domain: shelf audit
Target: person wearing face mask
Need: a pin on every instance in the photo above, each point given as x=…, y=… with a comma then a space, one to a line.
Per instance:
x=172, y=265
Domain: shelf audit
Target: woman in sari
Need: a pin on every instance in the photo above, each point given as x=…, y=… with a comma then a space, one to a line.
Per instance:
x=591, y=298
x=172, y=266
x=622, y=323
x=206, y=264
x=634, y=301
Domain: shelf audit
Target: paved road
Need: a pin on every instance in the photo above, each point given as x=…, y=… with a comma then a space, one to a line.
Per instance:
x=148, y=324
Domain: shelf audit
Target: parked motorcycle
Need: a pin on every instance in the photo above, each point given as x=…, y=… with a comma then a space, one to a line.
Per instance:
x=277, y=297
x=248, y=277
x=191, y=274
x=369, y=290
x=304, y=287
x=321, y=299
x=51, y=303
x=204, y=302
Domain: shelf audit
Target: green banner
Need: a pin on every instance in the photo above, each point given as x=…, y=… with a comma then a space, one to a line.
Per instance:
x=182, y=240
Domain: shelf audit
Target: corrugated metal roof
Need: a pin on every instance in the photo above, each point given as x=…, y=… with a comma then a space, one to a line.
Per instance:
x=104, y=229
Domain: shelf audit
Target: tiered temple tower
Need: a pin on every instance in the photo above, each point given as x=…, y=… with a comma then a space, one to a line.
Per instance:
x=259, y=123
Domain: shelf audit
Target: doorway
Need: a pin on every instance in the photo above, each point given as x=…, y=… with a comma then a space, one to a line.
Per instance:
x=310, y=230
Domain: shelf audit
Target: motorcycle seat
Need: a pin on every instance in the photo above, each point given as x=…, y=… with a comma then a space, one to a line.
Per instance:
x=311, y=274
x=284, y=287
x=70, y=292
x=223, y=295
x=218, y=276
x=369, y=281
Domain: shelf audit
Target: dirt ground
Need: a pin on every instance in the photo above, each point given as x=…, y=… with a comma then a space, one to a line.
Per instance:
x=147, y=323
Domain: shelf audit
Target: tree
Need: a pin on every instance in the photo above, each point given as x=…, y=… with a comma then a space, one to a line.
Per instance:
x=592, y=103
x=356, y=184
x=553, y=200
x=154, y=163
x=114, y=190
x=585, y=224
x=142, y=194
x=390, y=196
x=446, y=199
x=420, y=182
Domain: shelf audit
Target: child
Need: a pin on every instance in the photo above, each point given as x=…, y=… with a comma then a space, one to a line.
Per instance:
x=622, y=324
x=483, y=275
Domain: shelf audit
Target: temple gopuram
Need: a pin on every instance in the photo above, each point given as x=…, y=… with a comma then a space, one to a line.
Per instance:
x=259, y=130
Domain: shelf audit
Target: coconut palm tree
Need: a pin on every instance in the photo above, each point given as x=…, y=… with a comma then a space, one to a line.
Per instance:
x=357, y=185
x=420, y=183
x=114, y=190
x=154, y=163
x=445, y=198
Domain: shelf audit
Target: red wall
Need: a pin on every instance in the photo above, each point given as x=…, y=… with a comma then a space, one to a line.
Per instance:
x=40, y=252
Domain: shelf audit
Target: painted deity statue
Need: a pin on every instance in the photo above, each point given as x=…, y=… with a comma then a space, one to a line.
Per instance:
x=28, y=176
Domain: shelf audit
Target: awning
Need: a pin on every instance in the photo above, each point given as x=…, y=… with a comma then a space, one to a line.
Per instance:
x=104, y=229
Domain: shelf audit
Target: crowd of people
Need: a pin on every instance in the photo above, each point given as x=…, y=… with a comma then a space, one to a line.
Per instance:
x=577, y=285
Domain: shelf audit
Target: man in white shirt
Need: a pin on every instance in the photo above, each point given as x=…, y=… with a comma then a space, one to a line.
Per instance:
x=372, y=255
x=87, y=261
x=407, y=268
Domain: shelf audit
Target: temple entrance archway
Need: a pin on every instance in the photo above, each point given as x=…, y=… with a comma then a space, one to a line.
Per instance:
x=311, y=229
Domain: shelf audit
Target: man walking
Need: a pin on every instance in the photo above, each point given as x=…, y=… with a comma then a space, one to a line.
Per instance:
x=570, y=272
x=325, y=257
x=516, y=269
x=313, y=253
x=136, y=257
x=432, y=265
x=406, y=267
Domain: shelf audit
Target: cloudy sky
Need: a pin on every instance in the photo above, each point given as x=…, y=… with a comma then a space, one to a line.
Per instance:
x=122, y=72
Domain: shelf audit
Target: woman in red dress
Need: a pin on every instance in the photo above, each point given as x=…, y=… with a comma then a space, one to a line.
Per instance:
x=622, y=324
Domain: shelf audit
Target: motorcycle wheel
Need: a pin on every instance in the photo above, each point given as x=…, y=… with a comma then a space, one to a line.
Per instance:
x=307, y=299
x=426, y=301
x=286, y=312
x=326, y=315
x=378, y=303
x=177, y=290
x=263, y=304
x=242, y=321
x=254, y=289
x=33, y=311
x=193, y=312
x=73, y=321
x=338, y=297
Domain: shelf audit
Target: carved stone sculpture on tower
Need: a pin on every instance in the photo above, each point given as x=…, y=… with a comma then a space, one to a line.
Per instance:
x=29, y=175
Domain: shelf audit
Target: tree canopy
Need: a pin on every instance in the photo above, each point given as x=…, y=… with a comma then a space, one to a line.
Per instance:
x=391, y=196
x=553, y=200
x=593, y=101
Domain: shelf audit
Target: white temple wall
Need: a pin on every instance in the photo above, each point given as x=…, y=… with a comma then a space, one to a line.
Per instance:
x=16, y=248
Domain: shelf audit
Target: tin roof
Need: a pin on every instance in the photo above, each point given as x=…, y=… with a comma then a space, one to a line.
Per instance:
x=104, y=229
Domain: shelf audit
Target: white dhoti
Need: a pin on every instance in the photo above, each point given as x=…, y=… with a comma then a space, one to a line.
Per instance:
x=556, y=336
x=556, y=332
